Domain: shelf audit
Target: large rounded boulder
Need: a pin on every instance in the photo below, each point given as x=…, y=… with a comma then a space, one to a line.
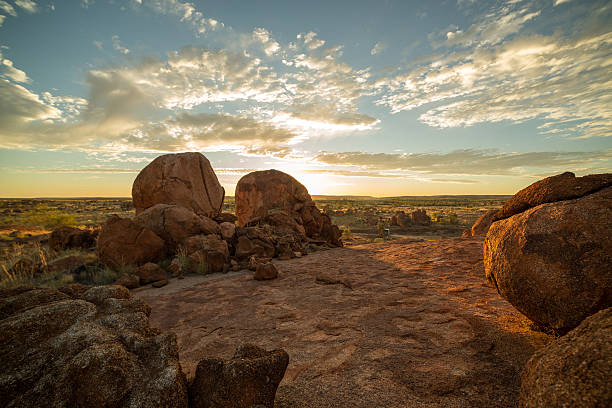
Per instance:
x=573, y=371
x=183, y=179
x=91, y=347
x=261, y=191
x=483, y=223
x=565, y=186
x=553, y=262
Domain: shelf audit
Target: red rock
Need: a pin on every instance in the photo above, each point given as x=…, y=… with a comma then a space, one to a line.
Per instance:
x=420, y=217
x=483, y=223
x=160, y=284
x=260, y=191
x=265, y=272
x=228, y=229
x=565, y=186
x=400, y=219
x=96, y=350
x=174, y=224
x=573, y=371
x=128, y=280
x=123, y=242
x=553, y=261
x=150, y=272
x=183, y=179
x=250, y=379
x=208, y=243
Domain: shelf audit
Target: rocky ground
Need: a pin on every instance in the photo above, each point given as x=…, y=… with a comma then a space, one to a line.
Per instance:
x=395, y=324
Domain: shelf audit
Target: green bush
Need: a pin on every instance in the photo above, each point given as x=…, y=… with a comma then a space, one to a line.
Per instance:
x=49, y=218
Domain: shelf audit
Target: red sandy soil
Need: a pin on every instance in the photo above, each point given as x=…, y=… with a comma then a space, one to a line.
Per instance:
x=408, y=324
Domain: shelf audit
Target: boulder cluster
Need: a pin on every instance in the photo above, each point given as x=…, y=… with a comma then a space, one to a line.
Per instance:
x=178, y=202
x=549, y=253
x=417, y=217
x=93, y=347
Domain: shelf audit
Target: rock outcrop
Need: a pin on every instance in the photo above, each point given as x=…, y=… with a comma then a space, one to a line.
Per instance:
x=249, y=379
x=483, y=223
x=573, y=371
x=92, y=350
x=69, y=237
x=123, y=242
x=184, y=179
x=553, y=262
x=565, y=186
x=274, y=198
x=420, y=217
x=174, y=224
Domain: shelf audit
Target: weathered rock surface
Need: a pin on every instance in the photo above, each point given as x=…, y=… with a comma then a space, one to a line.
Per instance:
x=93, y=351
x=400, y=219
x=483, y=223
x=183, y=179
x=260, y=191
x=573, y=371
x=565, y=186
x=420, y=327
x=174, y=224
x=274, y=198
x=249, y=379
x=128, y=280
x=69, y=237
x=123, y=242
x=265, y=271
x=150, y=272
x=228, y=229
x=553, y=262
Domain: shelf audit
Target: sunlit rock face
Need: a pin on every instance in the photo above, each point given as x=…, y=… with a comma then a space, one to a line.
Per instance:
x=261, y=191
x=275, y=198
x=184, y=179
x=553, y=262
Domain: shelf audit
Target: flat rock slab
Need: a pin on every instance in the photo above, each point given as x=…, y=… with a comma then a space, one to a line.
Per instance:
x=419, y=327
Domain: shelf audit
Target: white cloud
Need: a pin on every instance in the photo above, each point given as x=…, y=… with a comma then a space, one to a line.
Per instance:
x=557, y=2
x=117, y=45
x=28, y=5
x=270, y=46
x=378, y=48
x=2, y=18
x=9, y=71
x=98, y=44
x=557, y=79
x=469, y=162
x=185, y=11
x=7, y=8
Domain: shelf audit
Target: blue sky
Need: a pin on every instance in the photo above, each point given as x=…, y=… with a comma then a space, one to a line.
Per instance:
x=369, y=98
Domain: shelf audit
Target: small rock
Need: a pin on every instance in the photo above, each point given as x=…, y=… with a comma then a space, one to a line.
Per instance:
x=228, y=229
x=150, y=272
x=265, y=272
x=250, y=379
x=159, y=284
x=128, y=280
x=176, y=267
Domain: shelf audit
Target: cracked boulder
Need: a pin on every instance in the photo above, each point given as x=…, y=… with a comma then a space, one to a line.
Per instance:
x=184, y=179
x=553, y=262
x=91, y=349
x=249, y=379
x=174, y=224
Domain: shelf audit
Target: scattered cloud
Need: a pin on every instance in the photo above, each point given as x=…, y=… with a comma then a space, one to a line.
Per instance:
x=28, y=5
x=7, y=8
x=262, y=36
x=468, y=162
x=98, y=45
x=117, y=46
x=557, y=79
x=557, y=2
x=8, y=70
x=185, y=11
x=378, y=48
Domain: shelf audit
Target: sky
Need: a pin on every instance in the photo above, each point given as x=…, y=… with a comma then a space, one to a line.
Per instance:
x=385, y=98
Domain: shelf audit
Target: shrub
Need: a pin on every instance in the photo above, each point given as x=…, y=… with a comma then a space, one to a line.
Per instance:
x=49, y=218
